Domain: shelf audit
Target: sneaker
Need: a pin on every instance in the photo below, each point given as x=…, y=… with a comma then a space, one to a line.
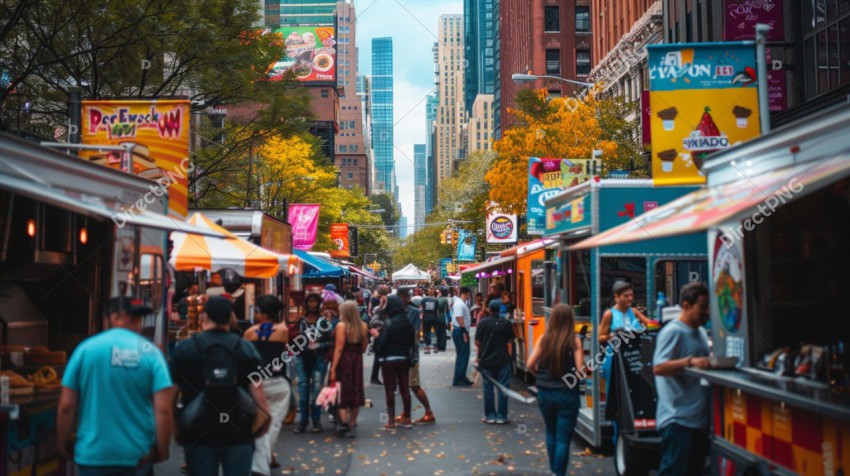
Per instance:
x=488, y=421
x=317, y=428
x=401, y=417
x=301, y=428
x=502, y=421
x=427, y=419
x=427, y=350
x=351, y=433
x=405, y=423
x=342, y=430
x=462, y=384
x=389, y=427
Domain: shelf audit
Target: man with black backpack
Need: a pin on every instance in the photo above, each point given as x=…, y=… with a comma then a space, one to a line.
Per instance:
x=429, y=308
x=494, y=343
x=222, y=410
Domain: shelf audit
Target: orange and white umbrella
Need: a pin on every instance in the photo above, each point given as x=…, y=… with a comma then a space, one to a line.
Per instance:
x=193, y=252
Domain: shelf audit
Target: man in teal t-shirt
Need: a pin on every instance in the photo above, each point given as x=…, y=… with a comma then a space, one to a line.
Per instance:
x=117, y=385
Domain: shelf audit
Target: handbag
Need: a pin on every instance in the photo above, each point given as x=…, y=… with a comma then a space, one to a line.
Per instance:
x=329, y=395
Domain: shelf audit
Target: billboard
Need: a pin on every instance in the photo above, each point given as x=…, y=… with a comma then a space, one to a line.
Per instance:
x=309, y=51
x=159, y=130
x=305, y=222
x=703, y=98
x=339, y=237
x=544, y=181
x=501, y=227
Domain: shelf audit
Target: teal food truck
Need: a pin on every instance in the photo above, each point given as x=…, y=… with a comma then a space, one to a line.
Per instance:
x=584, y=278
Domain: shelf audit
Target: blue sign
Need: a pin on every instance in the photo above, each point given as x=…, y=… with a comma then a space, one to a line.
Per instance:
x=729, y=64
x=466, y=246
x=444, y=267
x=544, y=182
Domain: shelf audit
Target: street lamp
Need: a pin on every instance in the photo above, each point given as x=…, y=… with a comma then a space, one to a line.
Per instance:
x=528, y=78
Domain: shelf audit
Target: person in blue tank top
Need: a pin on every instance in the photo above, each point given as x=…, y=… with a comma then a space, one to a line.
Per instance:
x=621, y=317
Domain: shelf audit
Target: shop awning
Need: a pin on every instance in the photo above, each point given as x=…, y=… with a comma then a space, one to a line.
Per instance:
x=317, y=267
x=193, y=252
x=97, y=207
x=748, y=198
x=363, y=273
x=488, y=264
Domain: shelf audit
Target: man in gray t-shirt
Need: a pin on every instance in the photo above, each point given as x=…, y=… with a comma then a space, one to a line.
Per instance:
x=683, y=404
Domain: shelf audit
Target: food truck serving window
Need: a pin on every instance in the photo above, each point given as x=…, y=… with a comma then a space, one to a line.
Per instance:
x=631, y=270
x=672, y=275
x=538, y=287
x=578, y=282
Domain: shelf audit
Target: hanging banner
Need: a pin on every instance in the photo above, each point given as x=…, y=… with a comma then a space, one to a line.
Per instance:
x=703, y=98
x=339, y=237
x=544, y=181
x=466, y=246
x=159, y=133
x=501, y=227
x=353, y=245
x=445, y=264
x=305, y=222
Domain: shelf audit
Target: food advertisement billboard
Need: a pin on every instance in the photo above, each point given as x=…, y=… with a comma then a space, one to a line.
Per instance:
x=308, y=51
x=159, y=133
x=703, y=98
x=544, y=182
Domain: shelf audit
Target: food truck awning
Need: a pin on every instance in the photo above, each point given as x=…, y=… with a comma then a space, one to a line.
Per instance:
x=193, y=252
x=749, y=198
x=363, y=273
x=317, y=267
x=527, y=247
x=98, y=207
x=488, y=264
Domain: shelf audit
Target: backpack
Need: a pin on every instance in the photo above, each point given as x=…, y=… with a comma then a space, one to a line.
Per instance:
x=223, y=403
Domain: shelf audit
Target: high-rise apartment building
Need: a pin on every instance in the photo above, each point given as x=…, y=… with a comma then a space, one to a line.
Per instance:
x=364, y=86
x=402, y=227
x=351, y=156
x=299, y=12
x=431, y=105
x=543, y=37
x=451, y=110
x=480, y=128
x=382, y=115
x=479, y=49
x=420, y=184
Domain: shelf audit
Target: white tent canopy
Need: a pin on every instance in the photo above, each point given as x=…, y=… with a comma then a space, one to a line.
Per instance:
x=411, y=273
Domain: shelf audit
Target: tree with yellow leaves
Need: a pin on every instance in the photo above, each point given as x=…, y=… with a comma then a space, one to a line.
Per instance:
x=569, y=128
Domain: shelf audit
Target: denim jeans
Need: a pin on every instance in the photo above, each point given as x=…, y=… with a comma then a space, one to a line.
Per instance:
x=143, y=470
x=560, y=412
x=503, y=376
x=462, y=357
x=428, y=325
x=309, y=388
x=234, y=460
x=683, y=451
x=440, y=330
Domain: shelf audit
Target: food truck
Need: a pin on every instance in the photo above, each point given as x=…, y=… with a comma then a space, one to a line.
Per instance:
x=583, y=278
x=777, y=213
x=74, y=234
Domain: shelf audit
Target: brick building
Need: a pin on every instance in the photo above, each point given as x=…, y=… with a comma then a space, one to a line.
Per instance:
x=351, y=156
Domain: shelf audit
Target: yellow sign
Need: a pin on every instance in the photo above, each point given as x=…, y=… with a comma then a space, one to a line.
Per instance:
x=552, y=180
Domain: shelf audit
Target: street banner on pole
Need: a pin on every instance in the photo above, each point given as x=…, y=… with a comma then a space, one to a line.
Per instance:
x=159, y=132
x=445, y=263
x=501, y=227
x=305, y=222
x=339, y=237
x=704, y=98
x=544, y=181
x=466, y=246
x=353, y=245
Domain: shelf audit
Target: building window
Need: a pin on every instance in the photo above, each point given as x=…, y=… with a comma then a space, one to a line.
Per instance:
x=826, y=29
x=553, y=62
x=350, y=175
x=343, y=148
x=325, y=93
x=582, y=62
x=582, y=19
x=551, y=18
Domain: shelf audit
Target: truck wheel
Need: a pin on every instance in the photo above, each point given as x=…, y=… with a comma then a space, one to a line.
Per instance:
x=628, y=460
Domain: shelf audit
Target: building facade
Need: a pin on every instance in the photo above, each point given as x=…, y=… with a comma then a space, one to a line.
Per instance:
x=420, y=183
x=431, y=104
x=451, y=109
x=480, y=128
x=543, y=37
x=299, y=12
x=382, y=116
x=479, y=49
x=351, y=155
x=364, y=86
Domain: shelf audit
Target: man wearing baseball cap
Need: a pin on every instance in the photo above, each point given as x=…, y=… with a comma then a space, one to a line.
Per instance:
x=116, y=376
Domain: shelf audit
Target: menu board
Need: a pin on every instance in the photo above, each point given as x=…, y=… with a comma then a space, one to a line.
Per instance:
x=633, y=368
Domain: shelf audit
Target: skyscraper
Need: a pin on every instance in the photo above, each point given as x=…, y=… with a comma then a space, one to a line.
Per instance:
x=382, y=115
x=430, y=164
x=351, y=156
x=480, y=130
x=451, y=110
x=299, y=12
x=420, y=184
x=479, y=49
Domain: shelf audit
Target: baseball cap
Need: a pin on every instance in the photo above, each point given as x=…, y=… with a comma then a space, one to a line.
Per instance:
x=218, y=309
x=130, y=305
x=330, y=287
x=495, y=306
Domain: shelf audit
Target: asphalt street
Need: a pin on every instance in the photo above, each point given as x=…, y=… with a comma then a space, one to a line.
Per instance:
x=458, y=444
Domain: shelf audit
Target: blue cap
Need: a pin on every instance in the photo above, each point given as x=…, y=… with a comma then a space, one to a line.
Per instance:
x=495, y=306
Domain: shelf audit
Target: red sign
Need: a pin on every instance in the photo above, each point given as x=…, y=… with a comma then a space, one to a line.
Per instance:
x=339, y=237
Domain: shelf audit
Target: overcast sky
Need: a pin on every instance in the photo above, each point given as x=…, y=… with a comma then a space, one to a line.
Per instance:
x=412, y=24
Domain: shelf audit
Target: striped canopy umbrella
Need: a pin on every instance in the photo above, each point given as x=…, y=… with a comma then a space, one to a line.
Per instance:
x=192, y=252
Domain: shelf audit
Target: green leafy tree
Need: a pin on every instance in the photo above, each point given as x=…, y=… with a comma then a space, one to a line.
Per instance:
x=391, y=214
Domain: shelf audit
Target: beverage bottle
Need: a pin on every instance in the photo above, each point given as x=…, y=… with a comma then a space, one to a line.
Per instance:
x=660, y=303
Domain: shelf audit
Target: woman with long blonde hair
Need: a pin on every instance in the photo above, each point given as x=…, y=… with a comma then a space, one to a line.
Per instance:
x=557, y=357
x=350, y=341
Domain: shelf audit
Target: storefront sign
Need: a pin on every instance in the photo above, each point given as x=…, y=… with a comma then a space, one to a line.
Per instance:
x=501, y=227
x=567, y=214
x=309, y=51
x=305, y=222
x=159, y=130
x=544, y=181
x=339, y=237
x=466, y=246
x=743, y=15
x=704, y=99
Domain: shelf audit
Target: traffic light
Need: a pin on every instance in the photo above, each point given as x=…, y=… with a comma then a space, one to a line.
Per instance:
x=455, y=236
x=443, y=237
